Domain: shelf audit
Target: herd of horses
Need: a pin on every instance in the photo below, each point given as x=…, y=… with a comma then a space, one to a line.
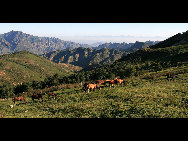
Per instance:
x=87, y=87
x=34, y=96
x=102, y=83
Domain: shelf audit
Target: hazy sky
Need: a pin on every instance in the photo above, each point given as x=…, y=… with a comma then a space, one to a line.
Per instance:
x=93, y=32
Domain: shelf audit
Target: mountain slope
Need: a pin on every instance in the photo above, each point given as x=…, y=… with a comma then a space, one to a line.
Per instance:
x=24, y=67
x=180, y=38
x=139, y=63
x=14, y=41
x=137, y=45
x=85, y=57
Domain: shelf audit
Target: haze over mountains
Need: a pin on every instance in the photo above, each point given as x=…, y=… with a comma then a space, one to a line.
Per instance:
x=111, y=38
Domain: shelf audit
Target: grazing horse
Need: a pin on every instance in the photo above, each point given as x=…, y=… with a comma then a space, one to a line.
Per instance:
x=37, y=96
x=119, y=81
x=114, y=82
x=19, y=98
x=93, y=87
x=110, y=82
x=51, y=95
x=99, y=82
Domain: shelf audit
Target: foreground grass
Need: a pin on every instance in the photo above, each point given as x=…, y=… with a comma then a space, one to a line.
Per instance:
x=138, y=99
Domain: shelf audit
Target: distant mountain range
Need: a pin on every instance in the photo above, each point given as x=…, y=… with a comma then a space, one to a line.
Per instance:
x=127, y=46
x=15, y=41
x=60, y=51
x=88, y=58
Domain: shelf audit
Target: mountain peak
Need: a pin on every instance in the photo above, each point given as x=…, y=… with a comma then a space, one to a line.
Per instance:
x=14, y=32
x=14, y=41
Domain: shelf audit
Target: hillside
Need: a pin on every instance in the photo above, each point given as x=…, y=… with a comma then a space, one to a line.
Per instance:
x=178, y=39
x=85, y=57
x=140, y=98
x=14, y=41
x=137, y=63
x=150, y=59
x=24, y=67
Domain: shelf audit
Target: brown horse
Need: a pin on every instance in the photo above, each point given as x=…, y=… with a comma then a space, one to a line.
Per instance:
x=93, y=87
x=119, y=81
x=110, y=82
x=99, y=82
x=114, y=82
x=19, y=98
x=51, y=95
x=37, y=96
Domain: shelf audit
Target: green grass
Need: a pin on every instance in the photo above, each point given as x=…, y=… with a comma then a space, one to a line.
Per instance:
x=25, y=67
x=140, y=98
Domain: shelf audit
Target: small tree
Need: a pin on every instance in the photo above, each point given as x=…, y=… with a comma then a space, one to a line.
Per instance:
x=6, y=91
x=21, y=88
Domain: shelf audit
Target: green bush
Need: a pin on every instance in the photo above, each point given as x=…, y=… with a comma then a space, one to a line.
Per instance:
x=6, y=91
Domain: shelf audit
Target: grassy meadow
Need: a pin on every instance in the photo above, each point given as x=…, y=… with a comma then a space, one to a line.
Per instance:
x=141, y=97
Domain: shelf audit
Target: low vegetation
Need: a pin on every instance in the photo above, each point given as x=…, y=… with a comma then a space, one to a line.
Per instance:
x=24, y=66
x=140, y=98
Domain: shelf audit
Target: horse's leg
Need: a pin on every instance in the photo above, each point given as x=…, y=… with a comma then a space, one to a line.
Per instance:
x=14, y=102
x=25, y=100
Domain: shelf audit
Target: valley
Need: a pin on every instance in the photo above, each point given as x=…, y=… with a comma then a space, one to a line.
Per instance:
x=144, y=68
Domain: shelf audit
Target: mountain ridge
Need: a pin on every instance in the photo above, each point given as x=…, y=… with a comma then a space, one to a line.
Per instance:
x=179, y=38
x=85, y=57
x=14, y=41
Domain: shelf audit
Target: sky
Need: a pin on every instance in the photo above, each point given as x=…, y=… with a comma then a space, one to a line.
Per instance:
x=99, y=32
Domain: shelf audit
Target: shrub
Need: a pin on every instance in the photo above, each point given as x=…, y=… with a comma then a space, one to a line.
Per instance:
x=6, y=91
